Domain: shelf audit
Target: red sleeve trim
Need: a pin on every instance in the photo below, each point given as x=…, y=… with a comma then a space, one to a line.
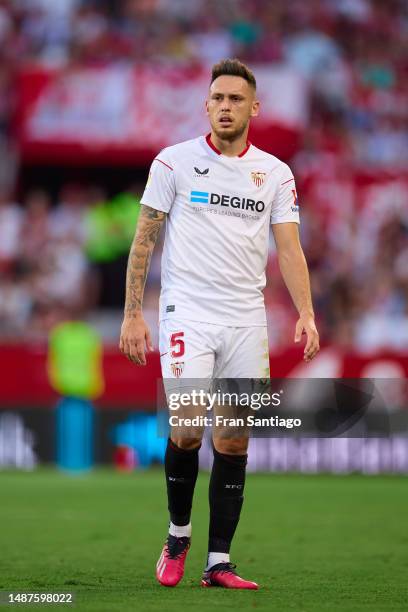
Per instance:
x=292, y=179
x=162, y=162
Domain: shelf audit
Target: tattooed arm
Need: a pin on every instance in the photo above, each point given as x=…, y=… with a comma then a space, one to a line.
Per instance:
x=135, y=334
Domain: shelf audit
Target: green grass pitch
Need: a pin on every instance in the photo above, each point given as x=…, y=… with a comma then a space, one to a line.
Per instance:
x=332, y=543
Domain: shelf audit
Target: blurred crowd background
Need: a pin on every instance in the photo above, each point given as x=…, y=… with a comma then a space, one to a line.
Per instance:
x=63, y=249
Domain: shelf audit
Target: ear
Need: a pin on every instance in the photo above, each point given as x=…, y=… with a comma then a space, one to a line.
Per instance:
x=255, y=108
x=206, y=107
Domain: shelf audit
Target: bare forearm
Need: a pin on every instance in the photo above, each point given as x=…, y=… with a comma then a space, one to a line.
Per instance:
x=148, y=228
x=293, y=267
x=295, y=274
x=137, y=269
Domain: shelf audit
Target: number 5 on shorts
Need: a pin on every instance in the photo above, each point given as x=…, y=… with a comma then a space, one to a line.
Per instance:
x=177, y=344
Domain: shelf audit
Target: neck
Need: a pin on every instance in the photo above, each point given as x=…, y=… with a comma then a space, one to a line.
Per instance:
x=230, y=148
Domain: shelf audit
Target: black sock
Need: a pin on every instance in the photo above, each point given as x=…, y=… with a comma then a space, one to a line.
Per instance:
x=226, y=498
x=181, y=468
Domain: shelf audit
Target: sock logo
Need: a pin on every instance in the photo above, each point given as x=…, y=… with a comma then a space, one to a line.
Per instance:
x=174, y=479
x=233, y=486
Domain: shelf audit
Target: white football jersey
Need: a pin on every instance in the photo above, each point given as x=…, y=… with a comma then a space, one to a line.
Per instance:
x=217, y=229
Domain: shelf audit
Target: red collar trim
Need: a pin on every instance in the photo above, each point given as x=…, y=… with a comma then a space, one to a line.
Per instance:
x=245, y=150
x=214, y=148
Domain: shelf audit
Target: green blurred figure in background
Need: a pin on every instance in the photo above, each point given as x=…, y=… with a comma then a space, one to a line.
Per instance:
x=75, y=371
x=110, y=226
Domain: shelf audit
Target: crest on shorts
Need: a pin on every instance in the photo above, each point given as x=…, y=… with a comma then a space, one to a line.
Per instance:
x=177, y=368
x=258, y=178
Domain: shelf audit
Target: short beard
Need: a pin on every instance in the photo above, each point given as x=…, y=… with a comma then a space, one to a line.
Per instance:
x=232, y=135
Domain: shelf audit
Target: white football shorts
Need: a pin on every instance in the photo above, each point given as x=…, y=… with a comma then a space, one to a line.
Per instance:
x=194, y=350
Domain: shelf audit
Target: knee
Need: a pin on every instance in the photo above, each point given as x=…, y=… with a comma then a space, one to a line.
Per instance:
x=231, y=446
x=186, y=443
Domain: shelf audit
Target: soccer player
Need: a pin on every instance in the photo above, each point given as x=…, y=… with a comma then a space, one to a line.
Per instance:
x=218, y=194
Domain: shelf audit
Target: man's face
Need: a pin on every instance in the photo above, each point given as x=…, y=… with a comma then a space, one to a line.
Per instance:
x=230, y=105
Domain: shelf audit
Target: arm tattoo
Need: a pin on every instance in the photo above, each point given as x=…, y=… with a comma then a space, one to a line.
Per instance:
x=148, y=228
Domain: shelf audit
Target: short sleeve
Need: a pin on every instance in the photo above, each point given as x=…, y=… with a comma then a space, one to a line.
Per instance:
x=160, y=188
x=285, y=207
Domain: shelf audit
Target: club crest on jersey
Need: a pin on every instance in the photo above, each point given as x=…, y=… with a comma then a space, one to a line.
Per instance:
x=177, y=368
x=258, y=178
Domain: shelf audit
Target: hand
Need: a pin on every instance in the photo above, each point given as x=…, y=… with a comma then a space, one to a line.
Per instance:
x=135, y=339
x=306, y=325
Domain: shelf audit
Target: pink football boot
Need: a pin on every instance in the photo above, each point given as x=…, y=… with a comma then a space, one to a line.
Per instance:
x=170, y=566
x=224, y=575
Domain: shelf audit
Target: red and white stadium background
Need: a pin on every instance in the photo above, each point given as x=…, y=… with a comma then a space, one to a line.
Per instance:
x=124, y=115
